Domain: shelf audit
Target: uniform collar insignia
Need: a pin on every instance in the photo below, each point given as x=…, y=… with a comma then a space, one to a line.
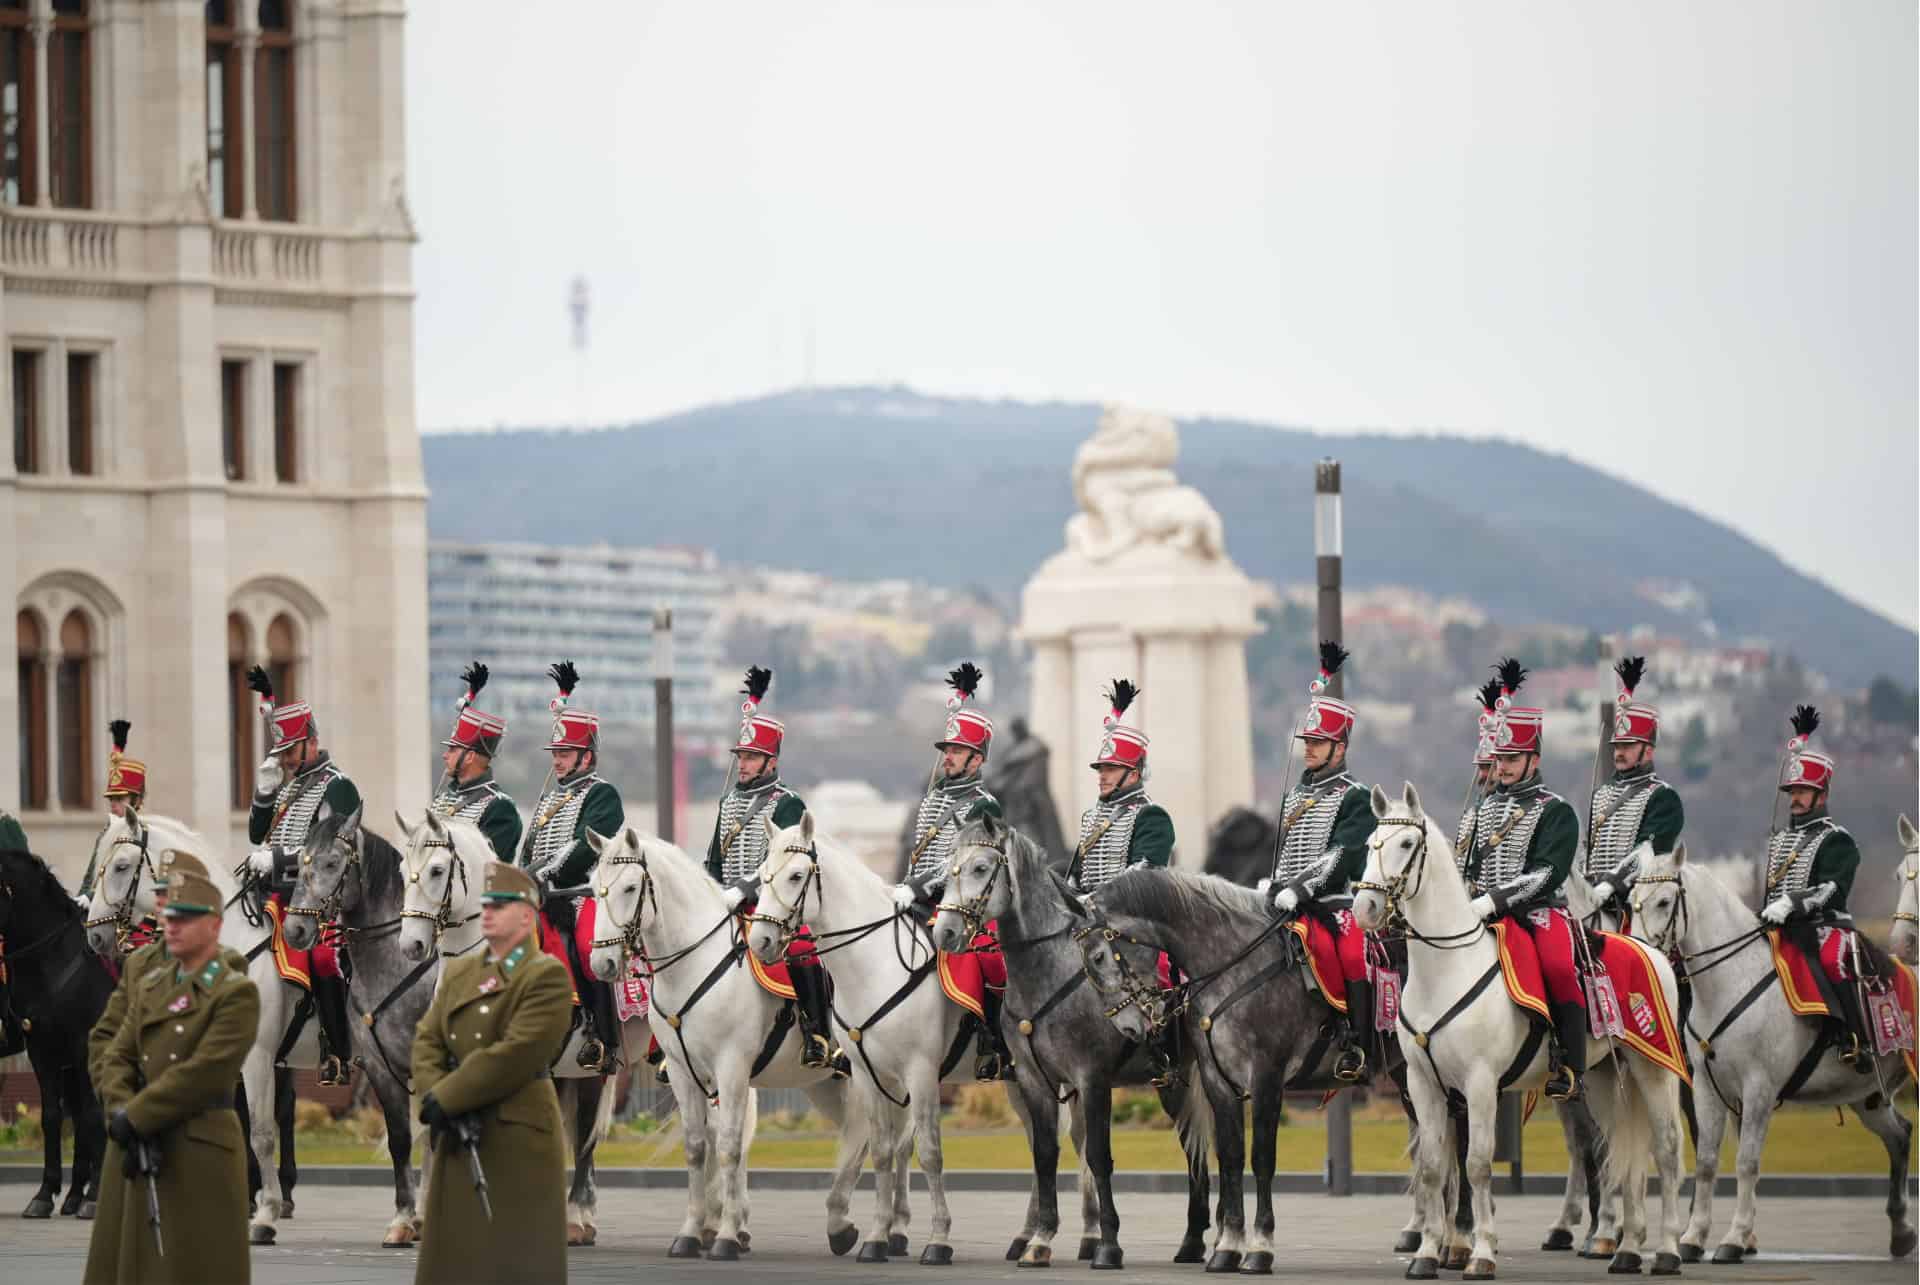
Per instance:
x=491, y=982
x=179, y=1003
x=514, y=957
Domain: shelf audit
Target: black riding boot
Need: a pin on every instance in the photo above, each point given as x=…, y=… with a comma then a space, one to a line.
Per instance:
x=1570, y=1039
x=1164, y=1048
x=1851, y=1028
x=1352, y=1062
x=816, y=1021
x=600, y=1050
x=336, y=1045
x=991, y=1061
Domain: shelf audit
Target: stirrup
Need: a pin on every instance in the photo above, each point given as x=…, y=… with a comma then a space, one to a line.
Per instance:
x=333, y=1072
x=1165, y=1076
x=1563, y=1085
x=815, y=1051
x=989, y=1066
x=1351, y=1065
x=592, y=1055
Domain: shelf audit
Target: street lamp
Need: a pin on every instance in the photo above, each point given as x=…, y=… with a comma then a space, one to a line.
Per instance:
x=663, y=747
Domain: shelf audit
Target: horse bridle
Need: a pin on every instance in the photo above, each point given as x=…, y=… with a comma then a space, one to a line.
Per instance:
x=328, y=910
x=795, y=919
x=1132, y=990
x=1396, y=889
x=973, y=911
x=1910, y=871
x=628, y=938
x=441, y=917
x=121, y=913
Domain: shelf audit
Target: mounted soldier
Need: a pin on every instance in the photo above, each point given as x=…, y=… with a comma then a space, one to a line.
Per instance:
x=167, y=1084
x=1324, y=825
x=294, y=783
x=756, y=799
x=955, y=796
x=468, y=790
x=1634, y=806
x=1125, y=827
x=557, y=855
x=1810, y=869
x=1525, y=841
x=126, y=788
x=1489, y=695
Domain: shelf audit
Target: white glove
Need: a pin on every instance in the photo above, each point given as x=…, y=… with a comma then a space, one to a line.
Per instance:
x=1262, y=886
x=83, y=901
x=268, y=778
x=1286, y=901
x=1483, y=907
x=903, y=896
x=260, y=860
x=1602, y=892
x=1777, y=910
x=733, y=895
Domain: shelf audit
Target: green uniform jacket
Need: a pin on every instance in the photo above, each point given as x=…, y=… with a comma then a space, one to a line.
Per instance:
x=1555, y=841
x=784, y=813
x=1663, y=820
x=602, y=812
x=501, y=824
x=1152, y=839
x=1836, y=863
x=132, y=969
x=342, y=796
x=171, y=1067
x=484, y=1047
x=1352, y=827
x=12, y=837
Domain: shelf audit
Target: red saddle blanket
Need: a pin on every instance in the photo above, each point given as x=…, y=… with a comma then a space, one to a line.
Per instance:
x=1797, y=982
x=966, y=976
x=554, y=943
x=1323, y=959
x=300, y=966
x=1647, y=1023
x=776, y=978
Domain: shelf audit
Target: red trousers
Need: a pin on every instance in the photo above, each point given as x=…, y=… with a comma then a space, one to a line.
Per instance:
x=1836, y=951
x=1349, y=941
x=1552, y=934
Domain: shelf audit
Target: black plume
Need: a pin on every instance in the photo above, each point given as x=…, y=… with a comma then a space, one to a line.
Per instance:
x=475, y=677
x=120, y=727
x=1489, y=692
x=1512, y=674
x=564, y=676
x=966, y=679
x=1332, y=656
x=1122, y=694
x=1805, y=719
x=1630, y=669
x=758, y=680
x=258, y=680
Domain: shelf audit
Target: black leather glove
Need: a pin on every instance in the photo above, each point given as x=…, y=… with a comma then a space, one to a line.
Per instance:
x=121, y=1130
x=435, y=1117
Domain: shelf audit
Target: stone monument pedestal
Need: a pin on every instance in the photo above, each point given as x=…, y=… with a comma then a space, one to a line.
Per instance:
x=1144, y=590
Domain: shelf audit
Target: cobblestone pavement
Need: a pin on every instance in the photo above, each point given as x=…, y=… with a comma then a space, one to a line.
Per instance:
x=334, y=1239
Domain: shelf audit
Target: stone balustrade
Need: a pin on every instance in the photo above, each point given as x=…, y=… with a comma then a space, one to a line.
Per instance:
x=80, y=244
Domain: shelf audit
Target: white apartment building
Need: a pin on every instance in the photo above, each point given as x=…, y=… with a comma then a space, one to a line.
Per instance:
x=206, y=296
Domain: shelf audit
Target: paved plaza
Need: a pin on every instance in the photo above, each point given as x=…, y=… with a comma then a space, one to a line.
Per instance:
x=333, y=1240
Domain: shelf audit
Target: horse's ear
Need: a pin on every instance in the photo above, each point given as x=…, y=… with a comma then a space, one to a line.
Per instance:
x=1908, y=835
x=353, y=821
x=772, y=829
x=133, y=819
x=406, y=829
x=1679, y=855
x=596, y=841
x=1380, y=805
x=436, y=825
x=631, y=836
x=1411, y=797
x=806, y=828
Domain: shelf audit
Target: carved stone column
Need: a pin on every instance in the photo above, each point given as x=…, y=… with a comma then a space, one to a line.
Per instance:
x=41, y=29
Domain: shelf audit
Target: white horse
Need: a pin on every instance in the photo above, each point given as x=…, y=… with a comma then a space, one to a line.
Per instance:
x=445, y=865
x=899, y=1025
x=1745, y=1044
x=1904, y=940
x=123, y=893
x=1466, y=1048
x=717, y=1028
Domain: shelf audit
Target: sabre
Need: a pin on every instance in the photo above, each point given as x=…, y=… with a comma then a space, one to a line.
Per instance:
x=466, y=1131
x=144, y=1156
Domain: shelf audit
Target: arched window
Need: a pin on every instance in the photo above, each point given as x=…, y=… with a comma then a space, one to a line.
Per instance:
x=283, y=657
x=70, y=107
x=224, y=169
x=241, y=716
x=32, y=648
x=73, y=685
x=273, y=113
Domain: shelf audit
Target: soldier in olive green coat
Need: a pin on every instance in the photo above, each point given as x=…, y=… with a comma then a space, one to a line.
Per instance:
x=482, y=1052
x=167, y=1082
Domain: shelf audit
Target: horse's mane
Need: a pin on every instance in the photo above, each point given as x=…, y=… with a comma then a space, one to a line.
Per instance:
x=30, y=867
x=379, y=859
x=1195, y=900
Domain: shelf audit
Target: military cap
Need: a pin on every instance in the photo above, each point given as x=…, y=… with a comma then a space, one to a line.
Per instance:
x=190, y=893
x=509, y=883
x=173, y=859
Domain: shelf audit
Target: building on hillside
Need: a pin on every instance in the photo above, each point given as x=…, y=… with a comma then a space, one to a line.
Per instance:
x=521, y=607
x=207, y=297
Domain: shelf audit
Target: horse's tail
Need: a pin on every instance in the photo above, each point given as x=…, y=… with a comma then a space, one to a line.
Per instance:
x=1194, y=1123
x=1645, y=1094
x=602, y=1115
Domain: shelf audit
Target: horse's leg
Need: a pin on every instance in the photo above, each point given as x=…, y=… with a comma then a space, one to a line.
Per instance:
x=1034, y=1246
x=1460, y=1239
x=694, y=1125
x=283, y=1102
x=1710, y=1121
x=89, y=1138
x=1483, y=1101
x=52, y=1121
x=1089, y=1196
x=926, y=1112
x=902, y=1186
x=257, y=1075
x=847, y=1112
x=404, y=1228
x=1266, y=1146
x=1432, y=1163
x=1100, y=1159
x=1667, y=1121
x=593, y=1104
x=1192, y=1119
x=730, y=1126
x=887, y=1121
x=1756, y=1113
x=1025, y=1110
x=1896, y=1132
x=1560, y=1234
x=1229, y=1144
x=245, y=1113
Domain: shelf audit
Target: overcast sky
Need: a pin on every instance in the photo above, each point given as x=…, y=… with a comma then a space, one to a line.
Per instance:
x=1673, y=239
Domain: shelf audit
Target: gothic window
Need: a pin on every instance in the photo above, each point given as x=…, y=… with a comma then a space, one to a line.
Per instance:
x=73, y=685
x=224, y=170
x=32, y=649
x=275, y=191
x=70, y=106
x=16, y=105
x=242, y=713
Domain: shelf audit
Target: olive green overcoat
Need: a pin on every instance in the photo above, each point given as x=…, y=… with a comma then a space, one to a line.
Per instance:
x=484, y=1048
x=132, y=969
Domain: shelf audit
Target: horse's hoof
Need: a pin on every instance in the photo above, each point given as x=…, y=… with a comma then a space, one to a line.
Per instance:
x=286, y=1207
x=838, y=1241
x=725, y=1249
x=260, y=1234
x=1558, y=1240
x=1192, y=1250
x=1478, y=1269
x=577, y=1235
x=38, y=1207
x=1727, y=1254
x=1423, y=1269
x=1691, y=1253
x=1087, y=1246
x=1037, y=1256
x=1903, y=1242
x=1224, y=1260
x=1407, y=1242
x=1600, y=1247
x=1258, y=1263
x=1665, y=1264
x=937, y=1256
x=88, y=1208
x=873, y=1251
x=1015, y=1247
x=897, y=1245
x=70, y=1206
x=689, y=1247
x=1625, y=1263
x=1108, y=1258
x=745, y=1238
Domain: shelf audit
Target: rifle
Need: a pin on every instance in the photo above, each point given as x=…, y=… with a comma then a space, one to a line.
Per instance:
x=466, y=1132
x=149, y=1163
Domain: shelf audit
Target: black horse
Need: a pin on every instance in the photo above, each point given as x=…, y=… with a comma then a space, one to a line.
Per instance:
x=58, y=990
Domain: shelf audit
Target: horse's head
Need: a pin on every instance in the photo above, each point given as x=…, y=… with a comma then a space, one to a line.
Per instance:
x=979, y=885
x=126, y=870
x=1659, y=899
x=1904, y=940
x=1125, y=973
x=330, y=877
x=1399, y=858
x=443, y=861
x=789, y=876
x=625, y=899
